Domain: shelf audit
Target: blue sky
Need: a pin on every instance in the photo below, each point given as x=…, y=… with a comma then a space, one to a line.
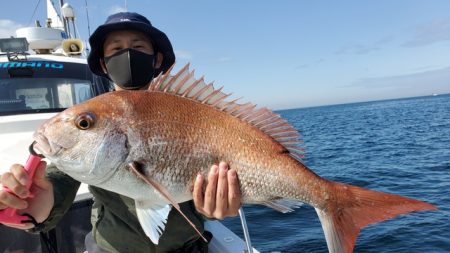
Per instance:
x=288, y=54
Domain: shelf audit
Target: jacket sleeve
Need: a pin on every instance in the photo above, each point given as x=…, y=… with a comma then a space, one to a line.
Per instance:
x=64, y=191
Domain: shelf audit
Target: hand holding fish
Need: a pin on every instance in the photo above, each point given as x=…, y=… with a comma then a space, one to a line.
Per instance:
x=40, y=206
x=222, y=197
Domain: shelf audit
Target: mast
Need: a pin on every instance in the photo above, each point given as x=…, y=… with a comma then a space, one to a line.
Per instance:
x=61, y=3
x=55, y=19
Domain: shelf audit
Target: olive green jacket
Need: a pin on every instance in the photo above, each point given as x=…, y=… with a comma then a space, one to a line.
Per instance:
x=115, y=226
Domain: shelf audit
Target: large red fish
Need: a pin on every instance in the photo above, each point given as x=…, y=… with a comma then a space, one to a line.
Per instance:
x=177, y=129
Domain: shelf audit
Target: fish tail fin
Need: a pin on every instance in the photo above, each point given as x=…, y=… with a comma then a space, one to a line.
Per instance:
x=354, y=208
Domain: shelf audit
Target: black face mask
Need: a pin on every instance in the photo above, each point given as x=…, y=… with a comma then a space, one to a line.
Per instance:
x=130, y=69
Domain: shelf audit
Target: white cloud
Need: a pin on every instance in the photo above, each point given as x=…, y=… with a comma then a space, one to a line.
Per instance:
x=224, y=59
x=386, y=39
x=356, y=49
x=183, y=55
x=424, y=82
x=8, y=28
x=302, y=66
x=364, y=49
x=115, y=9
x=430, y=33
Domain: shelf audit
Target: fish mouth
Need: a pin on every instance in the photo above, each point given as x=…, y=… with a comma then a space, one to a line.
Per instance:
x=44, y=146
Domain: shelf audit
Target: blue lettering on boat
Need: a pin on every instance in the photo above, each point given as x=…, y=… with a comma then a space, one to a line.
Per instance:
x=32, y=64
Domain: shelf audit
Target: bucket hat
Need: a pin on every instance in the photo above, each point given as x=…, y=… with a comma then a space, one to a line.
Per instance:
x=129, y=21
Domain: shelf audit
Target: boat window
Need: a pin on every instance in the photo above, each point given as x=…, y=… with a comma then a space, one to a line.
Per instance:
x=42, y=94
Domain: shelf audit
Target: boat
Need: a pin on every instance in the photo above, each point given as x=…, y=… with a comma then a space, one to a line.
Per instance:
x=44, y=70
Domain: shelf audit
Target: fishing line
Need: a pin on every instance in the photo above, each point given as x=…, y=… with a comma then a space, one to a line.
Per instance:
x=87, y=17
x=34, y=12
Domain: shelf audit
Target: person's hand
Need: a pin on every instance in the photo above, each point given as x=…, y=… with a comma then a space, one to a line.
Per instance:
x=40, y=206
x=222, y=196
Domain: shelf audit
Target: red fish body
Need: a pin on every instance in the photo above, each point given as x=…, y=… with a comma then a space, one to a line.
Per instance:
x=177, y=129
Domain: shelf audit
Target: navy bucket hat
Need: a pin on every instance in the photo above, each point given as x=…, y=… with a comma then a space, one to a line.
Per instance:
x=129, y=21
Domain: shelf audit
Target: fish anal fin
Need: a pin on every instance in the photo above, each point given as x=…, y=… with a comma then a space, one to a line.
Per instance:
x=153, y=220
x=283, y=205
x=165, y=193
x=354, y=208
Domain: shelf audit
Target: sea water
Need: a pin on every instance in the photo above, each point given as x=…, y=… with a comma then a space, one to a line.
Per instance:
x=398, y=146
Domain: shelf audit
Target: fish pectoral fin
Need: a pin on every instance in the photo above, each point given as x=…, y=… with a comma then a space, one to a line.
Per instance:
x=283, y=205
x=153, y=220
x=165, y=193
x=134, y=166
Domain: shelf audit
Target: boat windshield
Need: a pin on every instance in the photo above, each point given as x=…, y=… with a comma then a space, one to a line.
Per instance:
x=44, y=86
x=43, y=94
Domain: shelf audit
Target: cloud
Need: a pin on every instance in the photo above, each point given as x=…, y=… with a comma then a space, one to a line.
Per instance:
x=364, y=49
x=302, y=66
x=8, y=28
x=224, y=59
x=115, y=9
x=356, y=49
x=184, y=55
x=438, y=79
x=309, y=65
x=386, y=39
x=430, y=33
x=424, y=68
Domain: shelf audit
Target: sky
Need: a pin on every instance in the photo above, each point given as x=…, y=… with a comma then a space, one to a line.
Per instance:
x=289, y=53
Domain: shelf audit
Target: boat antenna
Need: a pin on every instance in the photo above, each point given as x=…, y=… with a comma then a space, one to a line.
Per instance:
x=34, y=12
x=87, y=16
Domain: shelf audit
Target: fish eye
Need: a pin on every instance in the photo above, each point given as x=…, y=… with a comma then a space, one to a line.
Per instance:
x=84, y=121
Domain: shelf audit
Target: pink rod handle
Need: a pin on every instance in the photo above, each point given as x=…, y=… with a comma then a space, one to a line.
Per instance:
x=10, y=215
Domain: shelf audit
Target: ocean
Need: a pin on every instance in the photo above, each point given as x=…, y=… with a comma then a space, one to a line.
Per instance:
x=398, y=146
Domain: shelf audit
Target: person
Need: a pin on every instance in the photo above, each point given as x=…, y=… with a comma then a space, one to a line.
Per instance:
x=129, y=51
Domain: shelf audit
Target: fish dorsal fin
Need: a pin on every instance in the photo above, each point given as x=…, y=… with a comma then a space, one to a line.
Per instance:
x=184, y=84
